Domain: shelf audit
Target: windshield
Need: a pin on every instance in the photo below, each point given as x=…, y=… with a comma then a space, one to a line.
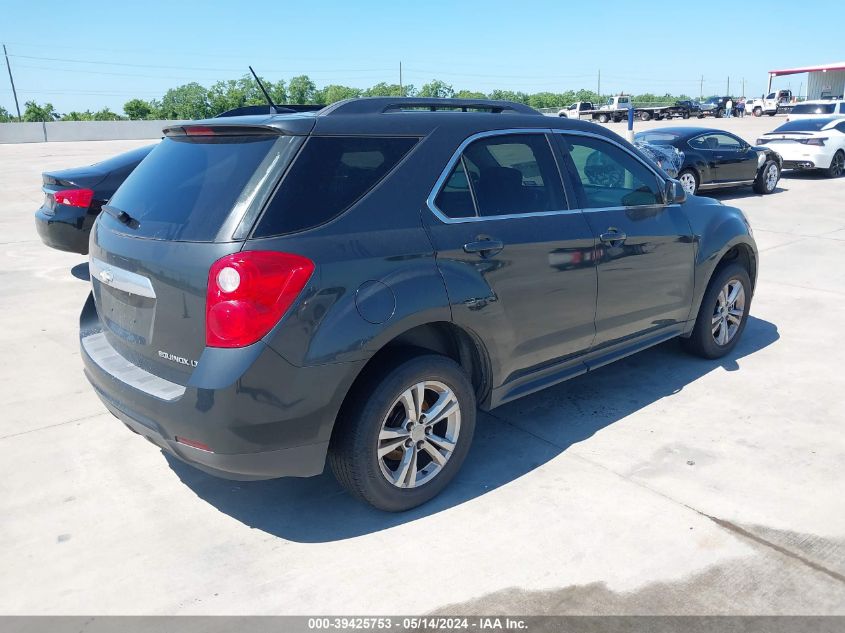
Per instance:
x=803, y=125
x=188, y=186
x=814, y=108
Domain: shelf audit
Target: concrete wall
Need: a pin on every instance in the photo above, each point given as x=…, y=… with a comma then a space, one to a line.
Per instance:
x=81, y=131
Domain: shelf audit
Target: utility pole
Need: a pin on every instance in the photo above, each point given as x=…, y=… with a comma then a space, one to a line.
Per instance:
x=743, y=87
x=701, y=89
x=729, y=87
x=401, y=90
x=12, y=81
x=598, y=92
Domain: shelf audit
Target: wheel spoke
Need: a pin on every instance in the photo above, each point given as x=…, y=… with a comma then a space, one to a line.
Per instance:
x=436, y=455
x=407, y=467
x=418, y=391
x=441, y=442
x=392, y=433
x=721, y=298
x=733, y=293
x=444, y=406
x=391, y=446
x=716, y=318
x=407, y=400
x=723, y=333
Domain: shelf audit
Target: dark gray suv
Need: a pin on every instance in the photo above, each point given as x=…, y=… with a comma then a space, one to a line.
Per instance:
x=269, y=291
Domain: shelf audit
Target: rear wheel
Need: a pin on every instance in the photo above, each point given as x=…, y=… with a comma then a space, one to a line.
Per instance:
x=723, y=313
x=689, y=181
x=767, y=178
x=645, y=116
x=404, y=434
x=603, y=118
x=719, y=113
x=837, y=165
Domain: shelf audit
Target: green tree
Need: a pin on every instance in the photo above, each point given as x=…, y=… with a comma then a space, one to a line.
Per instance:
x=469, y=94
x=278, y=91
x=186, y=102
x=137, y=109
x=5, y=116
x=333, y=93
x=106, y=115
x=73, y=115
x=383, y=89
x=436, y=88
x=35, y=112
x=509, y=95
x=301, y=90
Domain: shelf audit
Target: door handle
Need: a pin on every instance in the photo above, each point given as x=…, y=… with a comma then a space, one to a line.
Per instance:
x=614, y=237
x=485, y=247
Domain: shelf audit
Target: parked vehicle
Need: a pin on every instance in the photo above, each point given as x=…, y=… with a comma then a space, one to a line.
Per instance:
x=718, y=106
x=575, y=110
x=73, y=199
x=692, y=108
x=822, y=108
x=715, y=159
x=616, y=109
x=810, y=144
x=354, y=283
x=774, y=103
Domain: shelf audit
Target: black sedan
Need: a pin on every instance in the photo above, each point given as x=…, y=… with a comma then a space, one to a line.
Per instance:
x=74, y=197
x=715, y=159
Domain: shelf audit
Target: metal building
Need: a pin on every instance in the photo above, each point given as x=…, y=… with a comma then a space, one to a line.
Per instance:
x=825, y=80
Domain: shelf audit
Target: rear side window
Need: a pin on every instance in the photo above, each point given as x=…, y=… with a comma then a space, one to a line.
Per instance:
x=329, y=176
x=510, y=174
x=187, y=187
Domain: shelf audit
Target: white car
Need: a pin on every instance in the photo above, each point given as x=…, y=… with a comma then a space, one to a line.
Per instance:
x=810, y=144
x=816, y=109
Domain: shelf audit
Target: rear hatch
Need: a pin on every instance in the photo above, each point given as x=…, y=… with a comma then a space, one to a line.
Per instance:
x=189, y=203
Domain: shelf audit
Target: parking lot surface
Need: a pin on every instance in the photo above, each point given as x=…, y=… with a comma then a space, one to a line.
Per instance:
x=663, y=484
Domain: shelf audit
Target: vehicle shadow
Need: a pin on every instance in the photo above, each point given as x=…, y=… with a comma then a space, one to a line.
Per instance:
x=737, y=193
x=509, y=442
x=80, y=271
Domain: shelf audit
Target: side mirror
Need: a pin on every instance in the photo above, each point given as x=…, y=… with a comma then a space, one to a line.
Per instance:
x=675, y=193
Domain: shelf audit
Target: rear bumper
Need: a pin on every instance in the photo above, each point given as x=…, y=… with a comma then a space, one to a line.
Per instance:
x=797, y=156
x=260, y=416
x=66, y=230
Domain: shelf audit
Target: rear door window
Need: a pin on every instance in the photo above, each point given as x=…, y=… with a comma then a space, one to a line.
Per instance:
x=188, y=186
x=328, y=177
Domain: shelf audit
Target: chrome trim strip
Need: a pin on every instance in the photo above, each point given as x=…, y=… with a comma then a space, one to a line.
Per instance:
x=115, y=277
x=106, y=358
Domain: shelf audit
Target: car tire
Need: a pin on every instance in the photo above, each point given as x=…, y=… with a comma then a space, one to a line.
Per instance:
x=700, y=116
x=689, y=181
x=603, y=118
x=685, y=115
x=716, y=330
x=645, y=116
x=719, y=113
x=837, y=165
x=757, y=112
x=767, y=178
x=373, y=419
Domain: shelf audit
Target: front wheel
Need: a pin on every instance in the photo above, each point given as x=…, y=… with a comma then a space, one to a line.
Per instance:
x=767, y=178
x=757, y=112
x=689, y=181
x=404, y=434
x=723, y=314
x=603, y=118
x=837, y=165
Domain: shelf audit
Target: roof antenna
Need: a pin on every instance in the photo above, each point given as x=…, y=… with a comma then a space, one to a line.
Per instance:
x=264, y=90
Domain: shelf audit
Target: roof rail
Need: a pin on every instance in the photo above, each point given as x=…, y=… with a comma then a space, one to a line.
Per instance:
x=378, y=105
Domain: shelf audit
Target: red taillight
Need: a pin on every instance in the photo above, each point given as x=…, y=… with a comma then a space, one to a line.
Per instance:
x=74, y=197
x=249, y=292
x=199, y=130
x=193, y=444
x=814, y=141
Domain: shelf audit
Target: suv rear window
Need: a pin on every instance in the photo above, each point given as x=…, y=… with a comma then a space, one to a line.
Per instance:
x=814, y=108
x=187, y=187
x=329, y=176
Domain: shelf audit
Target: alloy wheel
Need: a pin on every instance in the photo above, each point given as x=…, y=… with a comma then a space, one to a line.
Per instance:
x=419, y=434
x=837, y=166
x=771, y=177
x=728, y=312
x=688, y=182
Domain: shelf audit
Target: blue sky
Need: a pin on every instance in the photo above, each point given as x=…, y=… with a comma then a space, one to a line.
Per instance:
x=103, y=53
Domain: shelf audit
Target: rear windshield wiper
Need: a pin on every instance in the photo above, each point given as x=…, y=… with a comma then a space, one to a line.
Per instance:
x=121, y=216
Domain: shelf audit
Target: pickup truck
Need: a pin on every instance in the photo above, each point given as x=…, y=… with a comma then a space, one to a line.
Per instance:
x=774, y=103
x=616, y=109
